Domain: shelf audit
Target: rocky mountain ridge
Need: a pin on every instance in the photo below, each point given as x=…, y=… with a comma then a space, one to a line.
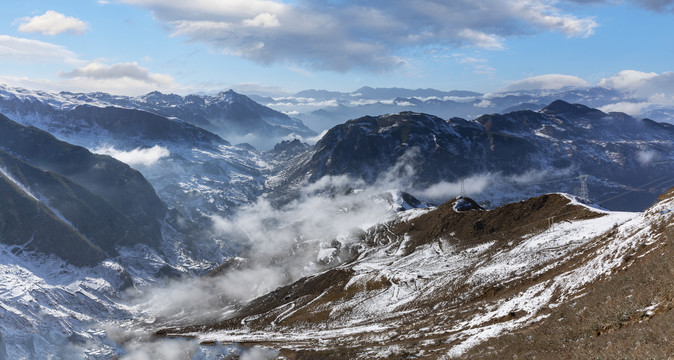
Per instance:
x=439, y=283
x=520, y=153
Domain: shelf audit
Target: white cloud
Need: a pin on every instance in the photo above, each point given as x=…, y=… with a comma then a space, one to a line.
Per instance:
x=265, y=20
x=629, y=108
x=98, y=71
x=548, y=82
x=446, y=190
x=292, y=101
x=485, y=103
x=646, y=88
x=482, y=40
x=20, y=49
x=258, y=353
x=354, y=34
x=139, y=156
x=627, y=80
x=113, y=86
x=645, y=157
x=551, y=18
x=124, y=78
x=167, y=349
x=52, y=23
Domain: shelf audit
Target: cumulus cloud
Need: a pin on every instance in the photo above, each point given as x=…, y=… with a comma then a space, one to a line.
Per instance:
x=547, y=82
x=265, y=20
x=20, y=49
x=646, y=90
x=640, y=83
x=139, y=156
x=627, y=80
x=353, y=34
x=52, y=23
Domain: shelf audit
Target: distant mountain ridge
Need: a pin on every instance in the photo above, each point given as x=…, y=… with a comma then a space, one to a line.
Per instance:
x=619, y=152
x=231, y=115
x=321, y=109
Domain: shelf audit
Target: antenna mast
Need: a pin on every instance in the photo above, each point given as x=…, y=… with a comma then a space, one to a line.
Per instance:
x=584, y=192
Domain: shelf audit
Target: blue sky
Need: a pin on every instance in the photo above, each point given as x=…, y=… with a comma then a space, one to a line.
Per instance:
x=275, y=47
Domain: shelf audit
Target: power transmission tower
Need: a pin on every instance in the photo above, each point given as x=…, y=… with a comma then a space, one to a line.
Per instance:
x=584, y=192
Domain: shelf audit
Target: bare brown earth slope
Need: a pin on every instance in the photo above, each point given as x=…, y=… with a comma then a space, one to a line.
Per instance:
x=549, y=277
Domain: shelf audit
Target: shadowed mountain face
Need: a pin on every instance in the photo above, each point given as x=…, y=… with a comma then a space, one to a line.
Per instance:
x=72, y=199
x=129, y=124
x=620, y=153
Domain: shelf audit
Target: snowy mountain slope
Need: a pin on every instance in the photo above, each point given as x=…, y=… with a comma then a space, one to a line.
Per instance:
x=60, y=198
x=47, y=307
x=192, y=169
x=228, y=114
x=512, y=156
x=76, y=230
x=439, y=283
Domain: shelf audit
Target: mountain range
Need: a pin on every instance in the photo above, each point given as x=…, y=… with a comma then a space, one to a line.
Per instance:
x=518, y=154
x=321, y=109
x=394, y=235
x=228, y=114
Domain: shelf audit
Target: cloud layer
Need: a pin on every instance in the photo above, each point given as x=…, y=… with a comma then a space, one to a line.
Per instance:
x=343, y=35
x=52, y=23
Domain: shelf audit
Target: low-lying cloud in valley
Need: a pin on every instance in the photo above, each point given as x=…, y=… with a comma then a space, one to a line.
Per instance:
x=280, y=244
x=138, y=156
